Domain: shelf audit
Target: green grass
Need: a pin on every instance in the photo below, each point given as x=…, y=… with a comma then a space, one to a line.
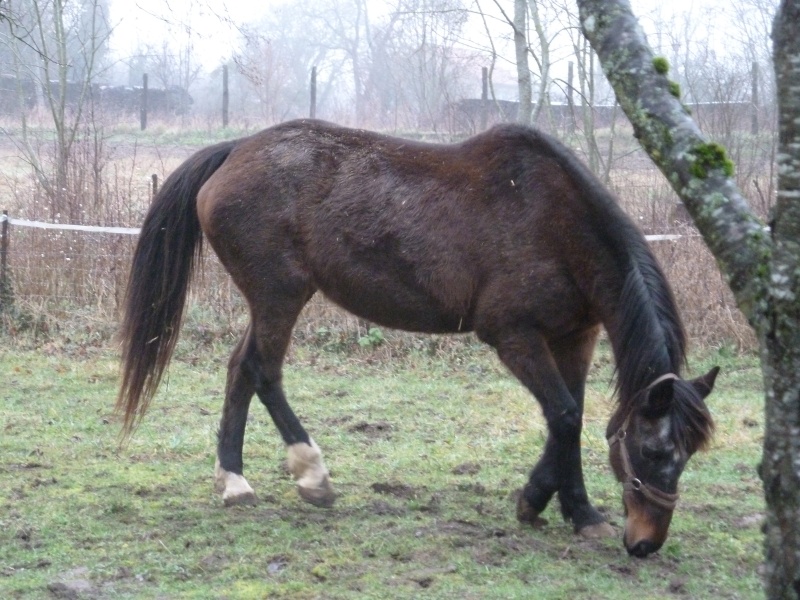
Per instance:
x=425, y=452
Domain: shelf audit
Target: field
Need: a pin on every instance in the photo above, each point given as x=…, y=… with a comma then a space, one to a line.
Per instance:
x=426, y=448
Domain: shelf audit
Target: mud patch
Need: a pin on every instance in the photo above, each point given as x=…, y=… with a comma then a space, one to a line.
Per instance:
x=379, y=429
x=277, y=564
x=424, y=578
x=398, y=490
x=382, y=508
x=748, y=521
x=468, y=468
x=73, y=584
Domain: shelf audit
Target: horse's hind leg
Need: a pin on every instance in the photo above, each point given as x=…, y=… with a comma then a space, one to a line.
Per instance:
x=230, y=437
x=256, y=368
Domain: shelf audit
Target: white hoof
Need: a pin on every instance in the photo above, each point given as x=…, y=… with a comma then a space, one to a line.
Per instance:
x=234, y=487
x=313, y=479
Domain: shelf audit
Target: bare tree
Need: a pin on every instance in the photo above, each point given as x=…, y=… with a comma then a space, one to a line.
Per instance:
x=542, y=59
x=520, y=25
x=276, y=58
x=414, y=64
x=172, y=66
x=57, y=46
x=759, y=261
x=345, y=30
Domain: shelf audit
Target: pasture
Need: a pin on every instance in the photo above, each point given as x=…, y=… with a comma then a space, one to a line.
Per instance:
x=425, y=446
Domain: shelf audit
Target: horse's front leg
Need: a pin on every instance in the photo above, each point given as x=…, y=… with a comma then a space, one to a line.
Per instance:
x=531, y=360
x=573, y=355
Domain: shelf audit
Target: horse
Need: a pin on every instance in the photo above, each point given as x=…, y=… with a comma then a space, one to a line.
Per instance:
x=506, y=234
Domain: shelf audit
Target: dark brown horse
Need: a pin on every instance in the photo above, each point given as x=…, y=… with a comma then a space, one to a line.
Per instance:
x=506, y=234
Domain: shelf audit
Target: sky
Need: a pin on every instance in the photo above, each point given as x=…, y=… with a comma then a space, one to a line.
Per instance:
x=143, y=22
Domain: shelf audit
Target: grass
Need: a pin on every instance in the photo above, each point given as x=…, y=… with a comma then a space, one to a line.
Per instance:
x=425, y=451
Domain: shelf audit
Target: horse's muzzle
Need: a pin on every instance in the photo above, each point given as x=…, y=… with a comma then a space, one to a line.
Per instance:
x=643, y=548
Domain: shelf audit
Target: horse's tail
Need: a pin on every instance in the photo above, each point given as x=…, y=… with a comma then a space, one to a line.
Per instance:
x=169, y=244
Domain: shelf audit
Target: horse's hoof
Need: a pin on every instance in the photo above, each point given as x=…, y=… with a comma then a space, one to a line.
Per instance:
x=526, y=514
x=321, y=496
x=234, y=487
x=597, y=531
x=239, y=499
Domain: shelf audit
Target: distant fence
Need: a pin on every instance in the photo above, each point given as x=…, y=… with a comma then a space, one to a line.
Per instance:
x=87, y=269
x=77, y=275
x=20, y=94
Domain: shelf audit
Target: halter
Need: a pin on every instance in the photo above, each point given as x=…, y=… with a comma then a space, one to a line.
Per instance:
x=632, y=483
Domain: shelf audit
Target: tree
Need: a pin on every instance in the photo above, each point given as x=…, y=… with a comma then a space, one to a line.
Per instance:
x=414, y=69
x=57, y=46
x=760, y=261
x=276, y=59
x=520, y=24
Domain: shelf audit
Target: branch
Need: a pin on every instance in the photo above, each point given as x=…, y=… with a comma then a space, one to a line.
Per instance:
x=698, y=171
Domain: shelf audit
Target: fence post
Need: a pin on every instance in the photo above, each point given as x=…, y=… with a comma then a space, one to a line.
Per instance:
x=143, y=106
x=6, y=296
x=225, y=96
x=754, y=107
x=570, y=100
x=154, y=178
x=313, y=108
x=484, y=98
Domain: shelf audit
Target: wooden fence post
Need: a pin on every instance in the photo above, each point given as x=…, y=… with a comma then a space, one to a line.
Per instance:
x=154, y=178
x=754, y=107
x=143, y=105
x=484, y=98
x=313, y=108
x=570, y=100
x=225, y=95
x=6, y=296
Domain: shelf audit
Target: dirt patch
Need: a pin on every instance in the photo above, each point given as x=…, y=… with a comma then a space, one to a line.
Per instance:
x=468, y=468
x=398, y=490
x=382, y=508
x=73, y=584
x=678, y=587
x=277, y=563
x=379, y=429
x=425, y=577
x=472, y=488
x=747, y=521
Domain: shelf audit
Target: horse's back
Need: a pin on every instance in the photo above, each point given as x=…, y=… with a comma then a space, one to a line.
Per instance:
x=428, y=237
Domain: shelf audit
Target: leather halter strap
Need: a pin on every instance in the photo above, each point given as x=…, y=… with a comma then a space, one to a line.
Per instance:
x=632, y=483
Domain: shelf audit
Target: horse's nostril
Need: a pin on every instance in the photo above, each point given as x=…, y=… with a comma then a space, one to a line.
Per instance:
x=643, y=548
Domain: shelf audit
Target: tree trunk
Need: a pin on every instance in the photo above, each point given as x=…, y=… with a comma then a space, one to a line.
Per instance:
x=543, y=97
x=523, y=72
x=780, y=468
x=760, y=263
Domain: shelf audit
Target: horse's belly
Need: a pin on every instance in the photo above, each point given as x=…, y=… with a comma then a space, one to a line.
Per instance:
x=399, y=309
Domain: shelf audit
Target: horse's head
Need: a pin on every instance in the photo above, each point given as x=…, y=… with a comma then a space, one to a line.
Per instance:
x=651, y=438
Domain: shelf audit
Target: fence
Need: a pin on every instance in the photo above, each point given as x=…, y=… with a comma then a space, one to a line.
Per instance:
x=79, y=272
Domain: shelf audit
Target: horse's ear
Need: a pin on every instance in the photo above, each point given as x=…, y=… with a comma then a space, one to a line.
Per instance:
x=659, y=398
x=705, y=383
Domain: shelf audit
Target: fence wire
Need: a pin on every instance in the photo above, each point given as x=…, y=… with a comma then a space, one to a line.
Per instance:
x=63, y=269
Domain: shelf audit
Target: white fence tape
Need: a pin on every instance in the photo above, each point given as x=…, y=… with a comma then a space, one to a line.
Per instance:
x=67, y=227
x=663, y=237
x=135, y=230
